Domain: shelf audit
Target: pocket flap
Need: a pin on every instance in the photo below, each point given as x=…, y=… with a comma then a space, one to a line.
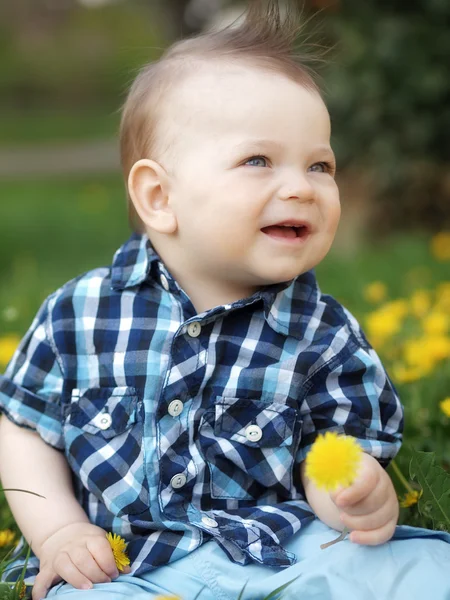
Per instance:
x=107, y=411
x=255, y=423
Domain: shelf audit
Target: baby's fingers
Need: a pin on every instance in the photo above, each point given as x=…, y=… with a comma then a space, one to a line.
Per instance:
x=88, y=566
x=43, y=582
x=64, y=566
x=100, y=549
x=358, y=491
x=368, y=522
x=375, y=536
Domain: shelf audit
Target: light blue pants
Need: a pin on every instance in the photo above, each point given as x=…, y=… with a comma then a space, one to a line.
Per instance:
x=414, y=565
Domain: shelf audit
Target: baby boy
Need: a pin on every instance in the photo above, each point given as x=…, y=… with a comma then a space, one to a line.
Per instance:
x=173, y=397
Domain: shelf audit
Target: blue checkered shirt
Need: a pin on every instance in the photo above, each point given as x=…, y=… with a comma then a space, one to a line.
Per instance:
x=181, y=427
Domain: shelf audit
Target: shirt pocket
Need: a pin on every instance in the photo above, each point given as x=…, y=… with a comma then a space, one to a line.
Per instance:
x=103, y=433
x=250, y=446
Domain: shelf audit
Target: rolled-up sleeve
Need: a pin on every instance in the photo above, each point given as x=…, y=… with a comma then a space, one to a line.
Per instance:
x=30, y=389
x=355, y=398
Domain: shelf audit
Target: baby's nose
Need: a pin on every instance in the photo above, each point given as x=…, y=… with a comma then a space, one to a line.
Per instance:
x=297, y=187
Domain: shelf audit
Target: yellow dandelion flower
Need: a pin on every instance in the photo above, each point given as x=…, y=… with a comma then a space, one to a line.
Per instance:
x=443, y=296
x=402, y=374
x=436, y=323
x=445, y=406
x=423, y=353
x=410, y=498
x=381, y=326
x=440, y=246
x=375, y=292
x=420, y=303
x=8, y=345
x=399, y=308
x=6, y=537
x=333, y=461
x=118, y=546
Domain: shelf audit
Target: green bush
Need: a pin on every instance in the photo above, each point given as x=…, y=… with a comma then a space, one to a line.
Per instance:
x=388, y=90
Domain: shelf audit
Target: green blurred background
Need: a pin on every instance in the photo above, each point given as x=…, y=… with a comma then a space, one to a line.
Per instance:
x=65, y=66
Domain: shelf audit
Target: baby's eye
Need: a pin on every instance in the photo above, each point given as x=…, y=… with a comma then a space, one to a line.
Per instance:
x=322, y=167
x=256, y=161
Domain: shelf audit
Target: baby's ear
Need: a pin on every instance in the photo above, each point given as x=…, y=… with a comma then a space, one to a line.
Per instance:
x=148, y=187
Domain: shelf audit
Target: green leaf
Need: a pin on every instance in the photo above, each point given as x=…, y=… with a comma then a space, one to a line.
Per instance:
x=5, y=592
x=197, y=596
x=275, y=593
x=435, y=483
x=242, y=591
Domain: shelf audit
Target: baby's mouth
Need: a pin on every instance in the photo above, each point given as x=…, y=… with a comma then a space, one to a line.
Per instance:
x=286, y=231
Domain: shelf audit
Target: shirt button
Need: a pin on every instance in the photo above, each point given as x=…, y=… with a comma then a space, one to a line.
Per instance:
x=178, y=481
x=194, y=329
x=164, y=282
x=104, y=421
x=175, y=408
x=209, y=522
x=253, y=433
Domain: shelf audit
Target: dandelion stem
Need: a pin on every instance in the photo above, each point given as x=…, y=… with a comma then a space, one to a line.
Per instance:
x=343, y=535
x=401, y=476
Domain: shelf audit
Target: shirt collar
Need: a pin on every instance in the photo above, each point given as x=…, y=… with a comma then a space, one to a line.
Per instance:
x=288, y=306
x=132, y=262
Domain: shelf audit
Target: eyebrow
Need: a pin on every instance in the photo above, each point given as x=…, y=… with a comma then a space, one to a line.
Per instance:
x=259, y=144
x=326, y=149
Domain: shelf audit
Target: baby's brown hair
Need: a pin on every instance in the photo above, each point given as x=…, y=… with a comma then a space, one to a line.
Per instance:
x=264, y=39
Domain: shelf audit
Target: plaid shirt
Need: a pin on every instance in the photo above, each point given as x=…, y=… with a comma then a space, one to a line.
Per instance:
x=181, y=427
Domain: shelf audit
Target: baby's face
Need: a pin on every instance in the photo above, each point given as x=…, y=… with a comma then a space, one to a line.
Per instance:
x=252, y=171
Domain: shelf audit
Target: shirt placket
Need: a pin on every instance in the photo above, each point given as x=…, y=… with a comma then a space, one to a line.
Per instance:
x=184, y=378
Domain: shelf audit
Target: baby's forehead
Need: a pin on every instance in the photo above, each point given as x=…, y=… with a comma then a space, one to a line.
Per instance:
x=219, y=96
x=219, y=83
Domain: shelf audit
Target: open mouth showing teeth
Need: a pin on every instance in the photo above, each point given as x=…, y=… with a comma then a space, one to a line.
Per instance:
x=286, y=231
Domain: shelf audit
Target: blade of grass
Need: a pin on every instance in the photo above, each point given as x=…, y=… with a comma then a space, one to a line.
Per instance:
x=18, y=586
x=274, y=594
x=198, y=595
x=19, y=490
x=242, y=591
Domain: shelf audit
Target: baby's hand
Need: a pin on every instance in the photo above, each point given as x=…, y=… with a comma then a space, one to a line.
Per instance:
x=369, y=506
x=79, y=554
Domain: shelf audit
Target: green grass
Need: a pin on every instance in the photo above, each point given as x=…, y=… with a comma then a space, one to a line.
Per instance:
x=43, y=128
x=51, y=231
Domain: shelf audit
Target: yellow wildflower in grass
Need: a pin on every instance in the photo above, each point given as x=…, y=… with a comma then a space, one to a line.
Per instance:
x=6, y=537
x=440, y=246
x=118, y=546
x=398, y=308
x=381, y=326
x=8, y=345
x=445, y=406
x=436, y=323
x=426, y=351
x=402, y=374
x=420, y=303
x=375, y=292
x=333, y=461
x=386, y=321
x=443, y=297
x=23, y=591
x=410, y=498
